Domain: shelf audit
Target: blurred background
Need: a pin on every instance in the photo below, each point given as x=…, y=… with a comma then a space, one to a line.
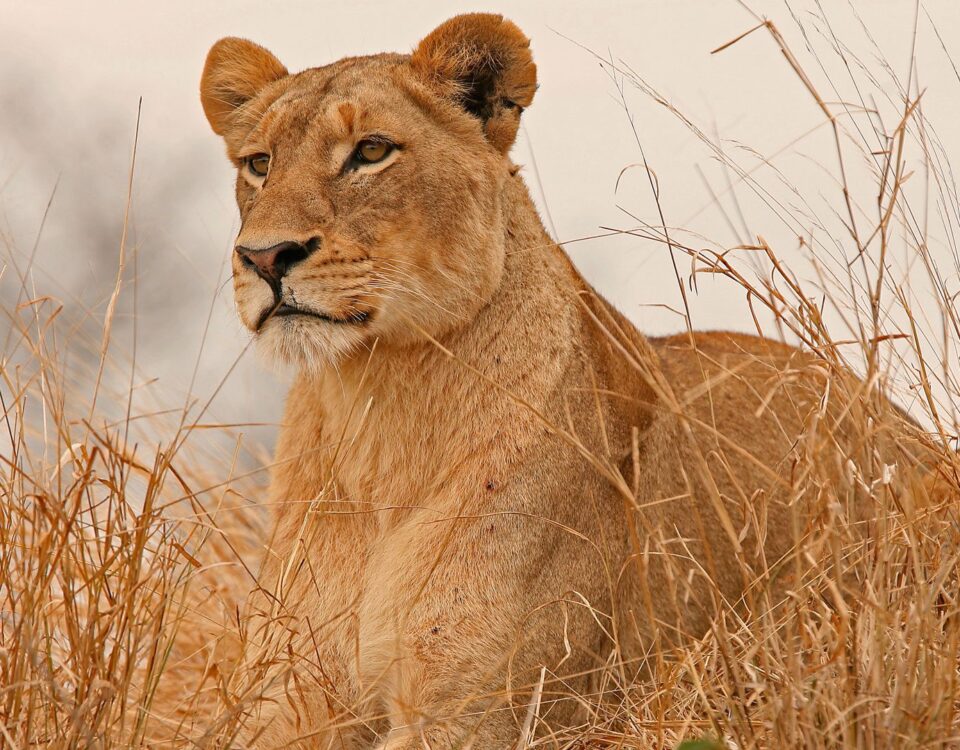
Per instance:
x=72, y=76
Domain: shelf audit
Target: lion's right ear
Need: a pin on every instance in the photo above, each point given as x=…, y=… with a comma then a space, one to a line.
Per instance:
x=235, y=71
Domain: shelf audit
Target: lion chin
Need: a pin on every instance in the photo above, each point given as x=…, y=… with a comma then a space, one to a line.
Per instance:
x=307, y=345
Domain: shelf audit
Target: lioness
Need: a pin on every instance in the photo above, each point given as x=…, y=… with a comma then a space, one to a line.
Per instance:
x=489, y=486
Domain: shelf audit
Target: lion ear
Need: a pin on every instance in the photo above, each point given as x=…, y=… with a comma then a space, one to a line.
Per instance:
x=483, y=62
x=235, y=71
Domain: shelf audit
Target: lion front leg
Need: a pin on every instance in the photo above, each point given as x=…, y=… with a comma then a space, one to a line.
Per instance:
x=458, y=624
x=298, y=682
x=299, y=691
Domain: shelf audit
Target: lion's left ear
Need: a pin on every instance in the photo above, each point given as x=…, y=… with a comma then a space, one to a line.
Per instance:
x=483, y=62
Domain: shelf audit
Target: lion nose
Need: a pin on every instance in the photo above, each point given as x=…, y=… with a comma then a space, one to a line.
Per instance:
x=272, y=263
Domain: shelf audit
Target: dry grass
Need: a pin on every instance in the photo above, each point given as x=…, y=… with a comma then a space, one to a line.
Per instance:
x=128, y=539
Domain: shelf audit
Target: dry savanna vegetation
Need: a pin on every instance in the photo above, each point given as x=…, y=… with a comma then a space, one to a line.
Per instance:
x=130, y=531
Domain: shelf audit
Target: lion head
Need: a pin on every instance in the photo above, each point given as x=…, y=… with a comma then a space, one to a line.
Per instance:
x=369, y=189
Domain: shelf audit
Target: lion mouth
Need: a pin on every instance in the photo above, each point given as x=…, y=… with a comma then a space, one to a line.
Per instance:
x=283, y=310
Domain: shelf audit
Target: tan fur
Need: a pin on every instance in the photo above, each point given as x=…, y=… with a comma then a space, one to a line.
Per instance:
x=495, y=473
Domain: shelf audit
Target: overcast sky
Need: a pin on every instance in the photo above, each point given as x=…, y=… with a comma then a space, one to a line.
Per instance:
x=71, y=76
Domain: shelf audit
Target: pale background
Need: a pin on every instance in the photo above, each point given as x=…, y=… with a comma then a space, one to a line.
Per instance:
x=71, y=75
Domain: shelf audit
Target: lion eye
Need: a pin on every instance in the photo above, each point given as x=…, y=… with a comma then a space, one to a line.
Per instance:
x=370, y=152
x=258, y=164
